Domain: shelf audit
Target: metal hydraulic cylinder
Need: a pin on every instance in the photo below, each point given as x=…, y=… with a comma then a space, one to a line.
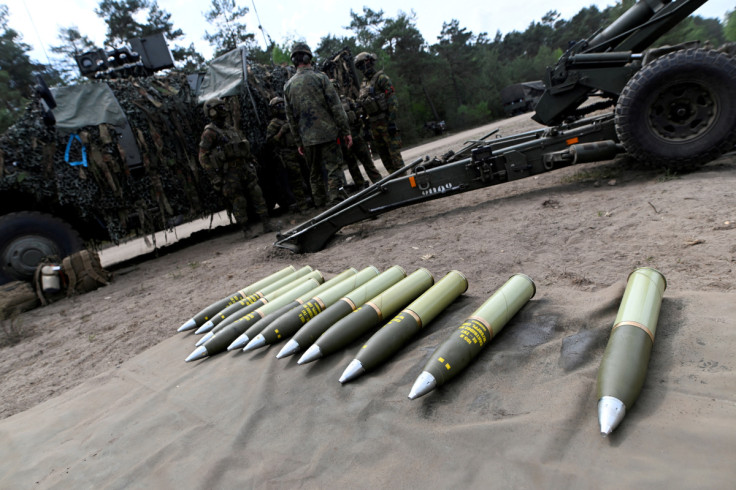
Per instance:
x=624, y=365
x=397, y=332
x=252, y=298
x=474, y=334
x=207, y=313
x=306, y=335
x=368, y=316
x=219, y=342
x=289, y=323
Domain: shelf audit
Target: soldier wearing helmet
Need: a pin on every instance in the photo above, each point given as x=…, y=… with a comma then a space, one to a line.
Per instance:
x=318, y=123
x=380, y=104
x=280, y=140
x=359, y=151
x=226, y=159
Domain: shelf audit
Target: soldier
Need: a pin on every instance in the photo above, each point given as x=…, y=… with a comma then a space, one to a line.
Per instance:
x=359, y=150
x=226, y=159
x=280, y=138
x=318, y=122
x=378, y=99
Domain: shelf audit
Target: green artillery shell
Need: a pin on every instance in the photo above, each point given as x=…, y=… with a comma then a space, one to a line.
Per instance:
x=406, y=324
x=476, y=331
x=252, y=298
x=255, y=329
x=306, y=335
x=624, y=364
x=266, y=299
x=204, y=315
x=371, y=314
x=289, y=323
x=224, y=337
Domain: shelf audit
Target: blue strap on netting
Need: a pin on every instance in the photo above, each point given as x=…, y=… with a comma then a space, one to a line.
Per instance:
x=82, y=162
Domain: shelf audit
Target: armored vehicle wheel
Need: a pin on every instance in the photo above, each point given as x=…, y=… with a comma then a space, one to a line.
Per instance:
x=27, y=237
x=679, y=111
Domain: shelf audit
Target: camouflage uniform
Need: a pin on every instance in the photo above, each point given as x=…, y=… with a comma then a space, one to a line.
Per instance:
x=359, y=151
x=317, y=121
x=379, y=101
x=226, y=159
x=279, y=136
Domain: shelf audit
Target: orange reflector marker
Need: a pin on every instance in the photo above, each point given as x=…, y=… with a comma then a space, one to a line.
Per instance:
x=412, y=181
x=572, y=141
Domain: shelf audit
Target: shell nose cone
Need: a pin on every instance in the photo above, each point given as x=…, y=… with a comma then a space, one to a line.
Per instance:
x=611, y=412
x=354, y=369
x=291, y=348
x=188, y=325
x=423, y=385
x=198, y=353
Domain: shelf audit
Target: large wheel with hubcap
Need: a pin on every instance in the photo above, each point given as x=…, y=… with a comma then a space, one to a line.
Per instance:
x=679, y=111
x=27, y=237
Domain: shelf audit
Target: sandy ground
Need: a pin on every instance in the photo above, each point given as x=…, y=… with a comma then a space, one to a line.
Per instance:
x=583, y=228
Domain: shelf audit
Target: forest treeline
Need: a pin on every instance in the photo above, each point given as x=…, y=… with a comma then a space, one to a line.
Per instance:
x=455, y=78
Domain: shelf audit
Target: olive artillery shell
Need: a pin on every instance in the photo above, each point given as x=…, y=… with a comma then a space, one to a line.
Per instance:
x=624, y=364
x=368, y=316
x=289, y=323
x=252, y=298
x=406, y=324
x=266, y=299
x=207, y=313
x=225, y=337
x=475, y=333
x=306, y=335
x=254, y=329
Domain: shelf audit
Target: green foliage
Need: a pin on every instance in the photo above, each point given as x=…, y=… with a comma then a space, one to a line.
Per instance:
x=16, y=73
x=72, y=44
x=227, y=17
x=729, y=31
x=120, y=17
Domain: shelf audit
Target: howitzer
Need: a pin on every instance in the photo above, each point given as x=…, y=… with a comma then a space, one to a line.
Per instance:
x=673, y=108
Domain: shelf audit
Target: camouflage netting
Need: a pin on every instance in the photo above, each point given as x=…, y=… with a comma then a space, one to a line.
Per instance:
x=166, y=120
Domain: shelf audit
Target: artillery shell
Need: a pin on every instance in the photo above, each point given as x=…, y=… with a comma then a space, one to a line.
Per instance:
x=286, y=325
x=362, y=320
x=475, y=333
x=252, y=298
x=306, y=335
x=406, y=324
x=205, y=314
x=624, y=364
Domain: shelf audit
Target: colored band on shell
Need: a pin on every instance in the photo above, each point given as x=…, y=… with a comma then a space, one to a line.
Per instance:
x=637, y=325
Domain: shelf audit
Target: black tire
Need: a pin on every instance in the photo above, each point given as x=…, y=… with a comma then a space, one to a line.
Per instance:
x=679, y=111
x=27, y=237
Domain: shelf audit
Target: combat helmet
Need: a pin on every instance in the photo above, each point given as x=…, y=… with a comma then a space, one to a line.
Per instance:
x=214, y=107
x=300, y=53
x=364, y=60
x=276, y=100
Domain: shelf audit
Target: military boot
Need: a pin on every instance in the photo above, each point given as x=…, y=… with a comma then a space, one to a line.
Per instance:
x=253, y=231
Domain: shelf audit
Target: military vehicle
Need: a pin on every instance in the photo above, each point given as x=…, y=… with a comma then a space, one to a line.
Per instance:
x=117, y=157
x=521, y=97
x=672, y=106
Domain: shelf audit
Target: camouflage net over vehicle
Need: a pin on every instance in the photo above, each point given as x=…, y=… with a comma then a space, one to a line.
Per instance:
x=109, y=195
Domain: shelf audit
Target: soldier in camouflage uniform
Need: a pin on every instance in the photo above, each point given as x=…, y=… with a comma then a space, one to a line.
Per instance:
x=226, y=159
x=318, y=122
x=378, y=100
x=359, y=152
x=279, y=137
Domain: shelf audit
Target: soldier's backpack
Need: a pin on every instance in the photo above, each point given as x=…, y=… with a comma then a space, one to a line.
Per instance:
x=84, y=272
